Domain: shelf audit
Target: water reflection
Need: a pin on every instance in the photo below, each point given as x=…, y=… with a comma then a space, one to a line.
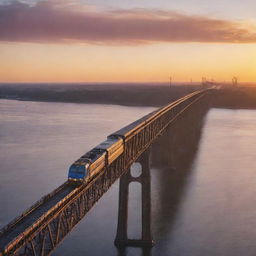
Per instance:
x=140, y=251
x=214, y=212
x=171, y=159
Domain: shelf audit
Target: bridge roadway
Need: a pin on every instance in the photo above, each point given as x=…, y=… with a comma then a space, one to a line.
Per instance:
x=53, y=216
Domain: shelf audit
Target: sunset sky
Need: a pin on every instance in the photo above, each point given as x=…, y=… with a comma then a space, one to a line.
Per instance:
x=127, y=40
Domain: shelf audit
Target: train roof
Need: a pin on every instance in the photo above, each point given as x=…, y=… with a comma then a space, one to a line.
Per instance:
x=127, y=129
x=107, y=144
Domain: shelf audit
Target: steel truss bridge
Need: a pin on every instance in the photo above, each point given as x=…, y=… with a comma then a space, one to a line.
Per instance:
x=42, y=227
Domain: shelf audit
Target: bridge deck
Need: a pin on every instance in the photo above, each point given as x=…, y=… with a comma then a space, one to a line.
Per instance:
x=26, y=221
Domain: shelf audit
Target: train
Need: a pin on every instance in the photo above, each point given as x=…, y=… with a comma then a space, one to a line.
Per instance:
x=90, y=164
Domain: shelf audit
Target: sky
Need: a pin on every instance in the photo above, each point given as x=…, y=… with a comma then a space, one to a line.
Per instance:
x=127, y=41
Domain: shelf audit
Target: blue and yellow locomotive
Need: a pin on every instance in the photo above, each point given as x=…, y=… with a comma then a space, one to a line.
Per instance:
x=90, y=164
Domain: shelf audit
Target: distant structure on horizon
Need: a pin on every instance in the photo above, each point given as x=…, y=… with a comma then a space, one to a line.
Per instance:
x=235, y=81
x=206, y=82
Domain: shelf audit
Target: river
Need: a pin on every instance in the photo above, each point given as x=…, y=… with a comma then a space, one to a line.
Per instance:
x=216, y=210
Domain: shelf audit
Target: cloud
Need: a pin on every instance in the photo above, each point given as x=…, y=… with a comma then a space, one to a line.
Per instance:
x=66, y=21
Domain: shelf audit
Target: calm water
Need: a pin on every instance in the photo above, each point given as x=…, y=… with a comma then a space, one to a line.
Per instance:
x=216, y=210
x=40, y=140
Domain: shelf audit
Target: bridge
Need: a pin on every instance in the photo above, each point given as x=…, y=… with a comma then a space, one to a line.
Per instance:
x=42, y=227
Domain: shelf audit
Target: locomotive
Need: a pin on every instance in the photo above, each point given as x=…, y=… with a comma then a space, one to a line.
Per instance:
x=89, y=165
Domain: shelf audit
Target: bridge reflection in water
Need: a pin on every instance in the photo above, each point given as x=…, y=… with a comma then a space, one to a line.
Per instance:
x=171, y=155
x=42, y=227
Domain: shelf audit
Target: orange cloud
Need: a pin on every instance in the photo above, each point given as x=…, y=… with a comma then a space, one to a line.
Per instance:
x=53, y=21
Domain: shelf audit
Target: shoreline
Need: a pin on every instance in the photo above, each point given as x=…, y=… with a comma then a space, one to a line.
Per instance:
x=153, y=96
x=125, y=95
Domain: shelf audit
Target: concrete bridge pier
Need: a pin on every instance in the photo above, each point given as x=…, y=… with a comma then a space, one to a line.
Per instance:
x=122, y=239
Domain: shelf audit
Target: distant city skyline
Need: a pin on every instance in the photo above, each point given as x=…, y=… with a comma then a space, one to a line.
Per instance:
x=127, y=41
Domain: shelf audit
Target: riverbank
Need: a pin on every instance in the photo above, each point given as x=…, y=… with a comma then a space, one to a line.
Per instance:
x=239, y=98
x=116, y=94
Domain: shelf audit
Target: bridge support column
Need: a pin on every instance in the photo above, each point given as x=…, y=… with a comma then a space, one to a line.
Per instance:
x=122, y=239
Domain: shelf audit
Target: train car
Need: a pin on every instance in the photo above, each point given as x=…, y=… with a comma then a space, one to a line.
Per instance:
x=114, y=147
x=98, y=163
